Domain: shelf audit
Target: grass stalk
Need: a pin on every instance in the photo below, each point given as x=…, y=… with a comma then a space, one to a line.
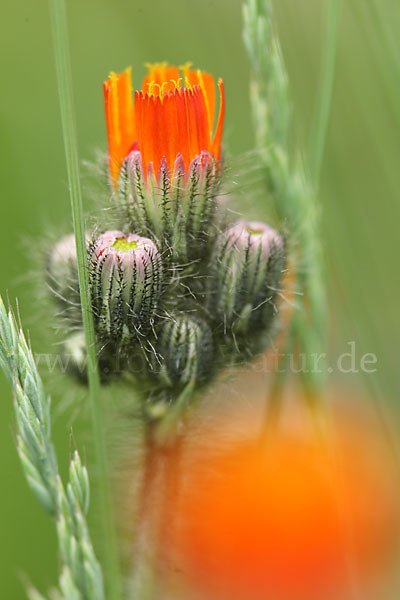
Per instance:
x=292, y=185
x=321, y=122
x=65, y=89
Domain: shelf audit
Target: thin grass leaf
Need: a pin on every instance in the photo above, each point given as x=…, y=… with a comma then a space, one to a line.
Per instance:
x=320, y=127
x=293, y=193
x=64, y=79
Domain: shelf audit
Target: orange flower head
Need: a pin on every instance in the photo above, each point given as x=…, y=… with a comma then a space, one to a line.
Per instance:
x=171, y=117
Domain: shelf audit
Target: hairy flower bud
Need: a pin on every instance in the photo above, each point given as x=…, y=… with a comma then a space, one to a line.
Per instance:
x=62, y=278
x=126, y=282
x=75, y=354
x=247, y=271
x=176, y=205
x=185, y=352
x=74, y=359
x=165, y=146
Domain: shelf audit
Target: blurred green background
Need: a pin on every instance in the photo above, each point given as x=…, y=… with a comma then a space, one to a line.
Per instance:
x=359, y=194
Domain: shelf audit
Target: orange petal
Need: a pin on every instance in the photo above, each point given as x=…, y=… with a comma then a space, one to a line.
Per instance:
x=191, y=123
x=217, y=141
x=149, y=133
x=206, y=82
x=202, y=120
x=160, y=129
x=183, y=128
x=160, y=73
x=119, y=118
x=171, y=120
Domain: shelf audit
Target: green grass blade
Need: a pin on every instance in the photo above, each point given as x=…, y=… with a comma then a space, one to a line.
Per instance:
x=319, y=132
x=64, y=79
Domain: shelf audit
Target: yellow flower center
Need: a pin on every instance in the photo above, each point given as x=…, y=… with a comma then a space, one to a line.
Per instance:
x=123, y=245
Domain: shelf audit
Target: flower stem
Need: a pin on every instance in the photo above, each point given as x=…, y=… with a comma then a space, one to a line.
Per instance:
x=64, y=81
x=165, y=432
x=321, y=122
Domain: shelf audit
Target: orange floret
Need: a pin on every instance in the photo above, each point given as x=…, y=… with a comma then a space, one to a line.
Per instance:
x=172, y=114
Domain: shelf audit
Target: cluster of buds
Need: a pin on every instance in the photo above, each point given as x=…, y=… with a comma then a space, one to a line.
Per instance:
x=172, y=286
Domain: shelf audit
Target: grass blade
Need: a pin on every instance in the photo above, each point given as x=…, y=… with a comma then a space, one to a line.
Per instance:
x=64, y=79
x=319, y=132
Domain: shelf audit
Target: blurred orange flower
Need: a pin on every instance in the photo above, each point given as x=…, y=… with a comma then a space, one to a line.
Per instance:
x=288, y=518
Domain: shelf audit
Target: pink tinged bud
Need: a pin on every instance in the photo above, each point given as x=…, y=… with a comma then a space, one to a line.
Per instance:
x=247, y=273
x=62, y=277
x=65, y=249
x=254, y=236
x=125, y=279
x=62, y=262
x=62, y=258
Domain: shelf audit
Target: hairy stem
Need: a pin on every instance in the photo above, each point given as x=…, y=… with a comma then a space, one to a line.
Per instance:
x=165, y=431
x=64, y=79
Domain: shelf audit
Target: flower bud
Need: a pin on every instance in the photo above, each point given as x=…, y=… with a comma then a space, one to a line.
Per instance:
x=176, y=206
x=62, y=278
x=74, y=359
x=185, y=352
x=247, y=271
x=75, y=354
x=126, y=282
